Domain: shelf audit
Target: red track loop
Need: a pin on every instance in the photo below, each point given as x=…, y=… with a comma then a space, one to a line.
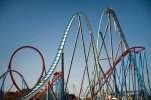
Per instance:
x=10, y=67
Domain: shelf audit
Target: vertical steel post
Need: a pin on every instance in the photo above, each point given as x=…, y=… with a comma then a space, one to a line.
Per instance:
x=62, y=67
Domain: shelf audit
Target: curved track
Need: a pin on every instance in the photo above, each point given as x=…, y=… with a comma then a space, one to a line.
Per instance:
x=18, y=74
x=110, y=71
x=110, y=13
x=14, y=71
x=56, y=60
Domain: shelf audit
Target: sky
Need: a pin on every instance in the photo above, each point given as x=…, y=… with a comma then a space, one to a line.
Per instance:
x=41, y=24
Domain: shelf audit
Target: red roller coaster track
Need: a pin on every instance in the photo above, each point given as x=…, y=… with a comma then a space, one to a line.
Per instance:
x=10, y=65
x=110, y=70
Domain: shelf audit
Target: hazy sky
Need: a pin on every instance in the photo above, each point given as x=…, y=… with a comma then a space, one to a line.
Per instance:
x=41, y=23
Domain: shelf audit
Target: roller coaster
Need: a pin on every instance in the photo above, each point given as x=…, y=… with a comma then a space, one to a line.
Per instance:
x=108, y=69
